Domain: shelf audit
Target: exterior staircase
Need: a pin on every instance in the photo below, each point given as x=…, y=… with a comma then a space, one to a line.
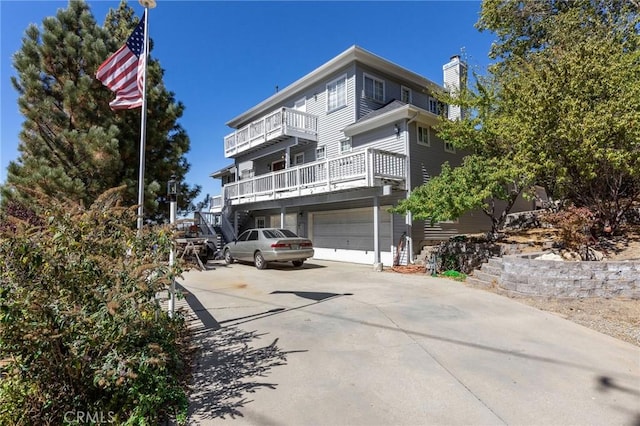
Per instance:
x=488, y=275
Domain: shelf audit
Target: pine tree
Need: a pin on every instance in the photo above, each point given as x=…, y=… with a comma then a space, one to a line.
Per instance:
x=71, y=144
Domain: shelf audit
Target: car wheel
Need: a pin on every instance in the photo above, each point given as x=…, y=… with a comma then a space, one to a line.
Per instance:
x=227, y=257
x=259, y=261
x=297, y=263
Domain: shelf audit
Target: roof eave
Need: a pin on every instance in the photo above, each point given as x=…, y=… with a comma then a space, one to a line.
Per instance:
x=410, y=112
x=354, y=53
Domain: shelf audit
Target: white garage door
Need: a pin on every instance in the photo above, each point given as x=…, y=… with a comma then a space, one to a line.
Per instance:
x=350, y=229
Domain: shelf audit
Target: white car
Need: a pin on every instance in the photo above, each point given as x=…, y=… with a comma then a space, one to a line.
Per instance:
x=264, y=245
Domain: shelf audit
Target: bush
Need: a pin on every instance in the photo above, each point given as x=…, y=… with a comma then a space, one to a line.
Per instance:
x=82, y=336
x=574, y=224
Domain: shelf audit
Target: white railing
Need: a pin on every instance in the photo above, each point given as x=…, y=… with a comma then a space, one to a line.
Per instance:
x=362, y=169
x=284, y=121
x=215, y=202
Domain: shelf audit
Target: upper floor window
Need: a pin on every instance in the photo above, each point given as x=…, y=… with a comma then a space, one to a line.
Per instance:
x=337, y=93
x=345, y=146
x=373, y=88
x=448, y=147
x=433, y=106
x=405, y=94
x=321, y=153
x=423, y=136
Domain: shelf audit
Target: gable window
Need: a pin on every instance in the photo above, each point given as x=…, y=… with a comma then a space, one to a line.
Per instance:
x=337, y=93
x=424, y=136
x=433, y=106
x=321, y=153
x=345, y=146
x=373, y=88
x=405, y=94
x=448, y=147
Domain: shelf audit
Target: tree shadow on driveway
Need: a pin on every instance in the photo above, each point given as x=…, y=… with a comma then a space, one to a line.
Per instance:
x=228, y=366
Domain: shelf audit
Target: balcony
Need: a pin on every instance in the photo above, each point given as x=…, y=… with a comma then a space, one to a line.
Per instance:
x=273, y=127
x=215, y=204
x=362, y=169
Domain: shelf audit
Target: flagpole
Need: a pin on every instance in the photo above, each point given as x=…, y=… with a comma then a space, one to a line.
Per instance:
x=147, y=4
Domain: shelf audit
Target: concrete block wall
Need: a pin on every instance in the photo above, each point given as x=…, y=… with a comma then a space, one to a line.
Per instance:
x=523, y=274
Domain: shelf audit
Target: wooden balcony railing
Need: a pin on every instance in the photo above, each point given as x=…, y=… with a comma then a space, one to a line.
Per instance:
x=282, y=122
x=359, y=169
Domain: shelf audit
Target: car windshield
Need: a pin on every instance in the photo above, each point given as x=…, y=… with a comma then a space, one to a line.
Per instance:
x=278, y=233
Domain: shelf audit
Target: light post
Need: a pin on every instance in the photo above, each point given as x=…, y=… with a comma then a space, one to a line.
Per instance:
x=172, y=194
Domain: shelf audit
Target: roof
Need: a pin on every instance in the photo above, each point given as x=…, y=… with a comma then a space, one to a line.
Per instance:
x=389, y=106
x=224, y=171
x=352, y=54
x=392, y=112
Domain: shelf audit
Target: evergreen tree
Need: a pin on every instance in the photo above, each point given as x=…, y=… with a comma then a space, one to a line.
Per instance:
x=71, y=144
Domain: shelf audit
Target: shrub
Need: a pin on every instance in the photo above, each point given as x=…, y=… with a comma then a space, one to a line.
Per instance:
x=574, y=225
x=82, y=334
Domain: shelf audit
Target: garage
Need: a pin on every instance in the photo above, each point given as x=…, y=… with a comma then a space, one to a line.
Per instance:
x=350, y=229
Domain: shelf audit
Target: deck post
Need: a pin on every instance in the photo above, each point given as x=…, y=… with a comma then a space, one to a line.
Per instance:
x=283, y=211
x=377, y=265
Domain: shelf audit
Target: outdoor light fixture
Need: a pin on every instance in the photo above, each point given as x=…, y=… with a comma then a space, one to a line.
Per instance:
x=172, y=188
x=397, y=128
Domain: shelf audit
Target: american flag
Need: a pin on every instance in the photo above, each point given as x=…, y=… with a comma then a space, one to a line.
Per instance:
x=123, y=72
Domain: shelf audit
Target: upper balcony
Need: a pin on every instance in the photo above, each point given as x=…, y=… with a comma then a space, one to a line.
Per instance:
x=273, y=127
x=362, y=169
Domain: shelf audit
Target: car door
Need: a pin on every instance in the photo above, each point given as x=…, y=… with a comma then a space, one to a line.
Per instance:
x=252, y=244
x=239, y=246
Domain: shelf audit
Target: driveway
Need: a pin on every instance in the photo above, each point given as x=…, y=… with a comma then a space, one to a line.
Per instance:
x=338, y=344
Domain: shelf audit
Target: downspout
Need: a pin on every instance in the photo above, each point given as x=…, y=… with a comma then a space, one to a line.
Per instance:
x=409, y=216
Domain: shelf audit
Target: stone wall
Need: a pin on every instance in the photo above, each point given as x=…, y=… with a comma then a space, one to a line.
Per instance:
x=525, y=275
x=463, y=254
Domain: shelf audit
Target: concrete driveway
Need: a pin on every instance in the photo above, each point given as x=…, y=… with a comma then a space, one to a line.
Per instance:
x=339, y=344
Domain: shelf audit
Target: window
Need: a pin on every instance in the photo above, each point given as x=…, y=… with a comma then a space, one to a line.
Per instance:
x=337, y=93
x=424, y=136
x=298, y=159
x=261, y=222
x=405, y=94
x=448, y=147
x=244, y=236
x=253, y=236
x=345, y=146
x=433, y=105
x=373, y=88
x=278, y=233
x=321, y=153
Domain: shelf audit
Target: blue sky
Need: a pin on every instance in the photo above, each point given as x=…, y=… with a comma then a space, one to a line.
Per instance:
x=223, y=57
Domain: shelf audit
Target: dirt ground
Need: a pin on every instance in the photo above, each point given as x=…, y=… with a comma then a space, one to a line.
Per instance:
x=616, y=317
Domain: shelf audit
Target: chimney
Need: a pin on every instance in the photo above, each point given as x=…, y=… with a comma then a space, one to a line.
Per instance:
x=455, y=78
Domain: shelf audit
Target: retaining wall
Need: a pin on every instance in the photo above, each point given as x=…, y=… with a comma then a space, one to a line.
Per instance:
x=523, y=274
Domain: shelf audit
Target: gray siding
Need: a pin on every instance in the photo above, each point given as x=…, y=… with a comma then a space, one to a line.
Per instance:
x=428, y=160
x=425, y=162
x=383, y=138
x=330, y=125
x=392, y=87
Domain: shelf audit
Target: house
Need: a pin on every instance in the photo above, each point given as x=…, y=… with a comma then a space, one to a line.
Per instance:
x=328, y=155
